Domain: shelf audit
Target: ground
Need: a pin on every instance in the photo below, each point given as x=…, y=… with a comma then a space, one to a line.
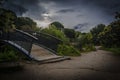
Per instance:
x=97, y=65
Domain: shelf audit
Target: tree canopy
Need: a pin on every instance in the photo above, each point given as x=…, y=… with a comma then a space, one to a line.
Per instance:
x=7, y=19
x=25, y=23
x=58, y=25
x=95, y=32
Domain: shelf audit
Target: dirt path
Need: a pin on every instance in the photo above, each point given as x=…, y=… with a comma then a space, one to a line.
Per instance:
x=98, y=65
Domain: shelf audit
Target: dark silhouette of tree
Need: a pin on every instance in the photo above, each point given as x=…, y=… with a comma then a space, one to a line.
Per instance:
x=58, y=25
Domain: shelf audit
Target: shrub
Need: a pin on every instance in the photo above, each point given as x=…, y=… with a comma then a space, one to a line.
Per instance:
x=8, y=54
x=67, y=50
x=89, y=47
x=52, y=30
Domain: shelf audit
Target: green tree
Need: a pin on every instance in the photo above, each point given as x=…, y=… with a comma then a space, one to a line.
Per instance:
x=95, y=32
x=85, y=42
x=70, y=33
x=7, y=19
x=58, y=25
x=52, y=30
x=25, y=23
x=110, y=36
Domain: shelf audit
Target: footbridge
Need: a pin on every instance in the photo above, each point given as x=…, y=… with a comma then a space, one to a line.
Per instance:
x=37, y=46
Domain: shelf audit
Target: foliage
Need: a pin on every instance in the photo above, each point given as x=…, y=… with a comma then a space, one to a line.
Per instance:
x=88, y=47
x=25, y=23
x=7, y=19
x=85, y=42
x=95, y=32
x=70, y=33
x=52, y=30
x=67, y=50
x=58, y=25
x=8, y=54
x=110, y=36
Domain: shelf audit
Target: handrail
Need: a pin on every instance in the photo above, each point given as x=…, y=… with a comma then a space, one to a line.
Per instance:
x=26, y=33
x=44, y=34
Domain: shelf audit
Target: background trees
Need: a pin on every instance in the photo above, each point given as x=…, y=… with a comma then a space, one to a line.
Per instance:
x=110, y=36
x=7, y=19
x=95, y=32
x=25, y=23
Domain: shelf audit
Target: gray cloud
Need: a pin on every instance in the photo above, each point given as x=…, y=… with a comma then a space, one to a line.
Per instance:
x=69, y=12
x=20, y=7
x=65, y=10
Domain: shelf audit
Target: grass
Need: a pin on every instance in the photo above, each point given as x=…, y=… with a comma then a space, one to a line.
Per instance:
x=116, y=51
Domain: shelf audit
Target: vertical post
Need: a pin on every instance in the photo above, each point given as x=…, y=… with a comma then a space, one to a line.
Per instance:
x=31, y=42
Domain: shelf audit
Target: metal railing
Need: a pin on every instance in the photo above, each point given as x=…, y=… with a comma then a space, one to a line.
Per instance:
x=46, y=40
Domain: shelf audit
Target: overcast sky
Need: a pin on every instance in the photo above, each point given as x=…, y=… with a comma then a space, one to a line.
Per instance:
x=85, y=13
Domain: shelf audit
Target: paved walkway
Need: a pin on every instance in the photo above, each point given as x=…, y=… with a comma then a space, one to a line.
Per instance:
x=98, y=65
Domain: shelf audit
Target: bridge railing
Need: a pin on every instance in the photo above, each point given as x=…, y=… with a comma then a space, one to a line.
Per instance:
x=22, y=41
x=46, y=40
x=26, y=39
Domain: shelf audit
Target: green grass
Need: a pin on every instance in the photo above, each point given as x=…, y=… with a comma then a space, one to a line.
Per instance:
x=116, y=51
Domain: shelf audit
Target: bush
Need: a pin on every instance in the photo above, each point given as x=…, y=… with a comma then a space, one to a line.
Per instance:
x=52, y=30
x=8, y=54
x=89, y=47
x=67, y=50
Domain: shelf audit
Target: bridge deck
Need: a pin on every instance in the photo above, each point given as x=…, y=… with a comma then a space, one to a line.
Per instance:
x=42, y=54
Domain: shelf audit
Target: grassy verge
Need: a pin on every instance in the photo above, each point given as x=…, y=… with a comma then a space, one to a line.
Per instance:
x=116, y=51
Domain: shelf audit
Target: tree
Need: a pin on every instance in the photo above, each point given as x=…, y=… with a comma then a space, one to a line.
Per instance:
x=110, y=36
x=25, y=23
x=70, y=33
x=52, y=30
x=95, y=32
x=58, y=25
x=7, y=19
x=85, y=42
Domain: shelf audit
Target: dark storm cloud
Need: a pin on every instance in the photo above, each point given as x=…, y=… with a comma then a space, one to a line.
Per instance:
x=31, y=7
x=109, y=7
x=65, y=10
x=81, y=27
x=71, y=12
x=21, y=6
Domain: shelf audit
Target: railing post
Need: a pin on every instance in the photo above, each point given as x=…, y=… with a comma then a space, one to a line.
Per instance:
x=31, y=42
x=1, y=34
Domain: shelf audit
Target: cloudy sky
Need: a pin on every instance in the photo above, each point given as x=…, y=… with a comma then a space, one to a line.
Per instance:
x=85, y=13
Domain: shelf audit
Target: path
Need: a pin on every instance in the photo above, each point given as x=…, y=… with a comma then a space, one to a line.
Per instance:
x=98, y=65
